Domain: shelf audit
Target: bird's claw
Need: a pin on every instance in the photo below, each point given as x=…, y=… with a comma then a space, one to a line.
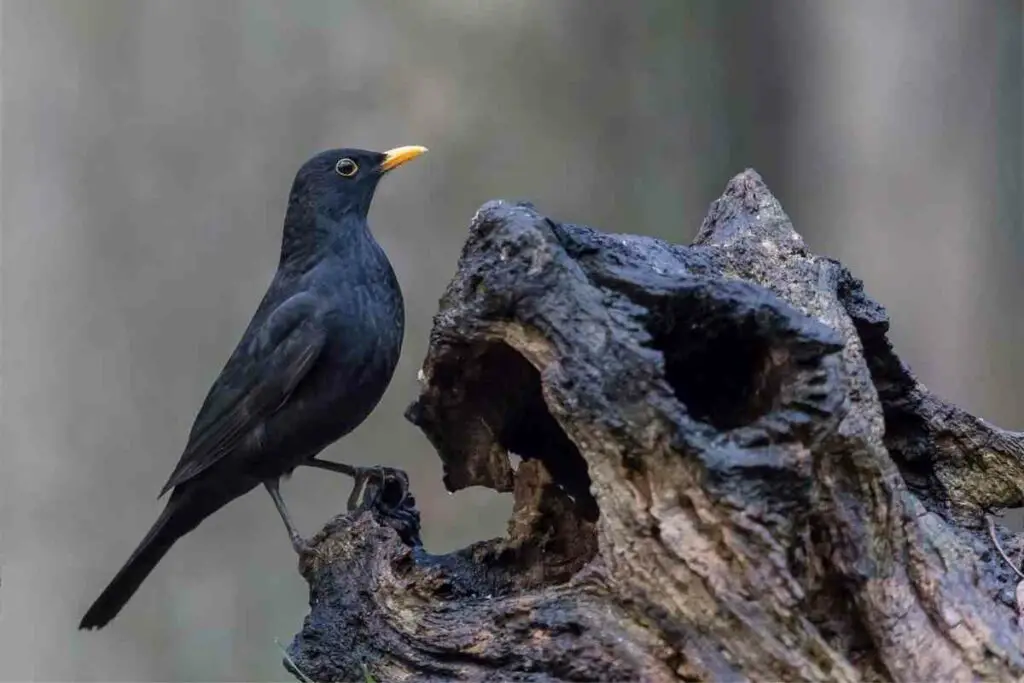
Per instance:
x=360, y=487
x=371, y=485
x=369, y=482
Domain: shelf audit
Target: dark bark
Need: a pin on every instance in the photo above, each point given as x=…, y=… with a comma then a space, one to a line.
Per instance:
x=727, y=474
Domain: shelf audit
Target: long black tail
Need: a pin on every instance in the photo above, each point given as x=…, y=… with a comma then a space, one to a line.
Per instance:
x=174, y=522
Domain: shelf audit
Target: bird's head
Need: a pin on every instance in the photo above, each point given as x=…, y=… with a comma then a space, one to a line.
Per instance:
x=341, y=182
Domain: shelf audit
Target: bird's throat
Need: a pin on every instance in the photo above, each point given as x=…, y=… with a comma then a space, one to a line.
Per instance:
x=310, y=236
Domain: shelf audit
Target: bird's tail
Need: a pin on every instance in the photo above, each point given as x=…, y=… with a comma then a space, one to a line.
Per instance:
x=175, y=521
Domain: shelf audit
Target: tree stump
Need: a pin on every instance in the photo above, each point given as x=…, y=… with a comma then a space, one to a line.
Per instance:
x=726, y=474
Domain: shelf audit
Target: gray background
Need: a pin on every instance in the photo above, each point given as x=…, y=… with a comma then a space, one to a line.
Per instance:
x=148, y=148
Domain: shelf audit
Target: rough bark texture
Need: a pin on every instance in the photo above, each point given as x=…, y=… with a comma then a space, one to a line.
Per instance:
x=727, y=474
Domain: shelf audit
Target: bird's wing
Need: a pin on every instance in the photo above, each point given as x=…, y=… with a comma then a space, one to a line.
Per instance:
x=264, y=370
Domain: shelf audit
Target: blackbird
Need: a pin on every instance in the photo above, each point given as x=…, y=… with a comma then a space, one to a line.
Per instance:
x=313, y=363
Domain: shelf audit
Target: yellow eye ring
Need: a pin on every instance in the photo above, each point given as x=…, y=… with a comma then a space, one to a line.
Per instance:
x=346, y=167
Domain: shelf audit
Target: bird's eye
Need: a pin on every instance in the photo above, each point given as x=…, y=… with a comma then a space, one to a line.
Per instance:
x=346, y=167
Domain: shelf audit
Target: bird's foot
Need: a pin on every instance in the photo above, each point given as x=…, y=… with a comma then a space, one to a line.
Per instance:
x=361, y=490
x=377, y=474
x=392, y=503
x=383, y=490
x=301, y=546
x=384, y=487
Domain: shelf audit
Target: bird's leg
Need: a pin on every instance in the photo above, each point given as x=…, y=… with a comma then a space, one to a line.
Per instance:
x=339, y=467
x=360, y=474
x=298, y=543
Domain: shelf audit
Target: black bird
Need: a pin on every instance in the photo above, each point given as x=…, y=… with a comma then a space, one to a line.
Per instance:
x=313, y=363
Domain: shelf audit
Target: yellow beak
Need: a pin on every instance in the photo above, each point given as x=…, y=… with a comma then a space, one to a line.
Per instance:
x=393, y=158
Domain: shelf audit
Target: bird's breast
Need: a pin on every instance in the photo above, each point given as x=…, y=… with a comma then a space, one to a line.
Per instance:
x=365, y=324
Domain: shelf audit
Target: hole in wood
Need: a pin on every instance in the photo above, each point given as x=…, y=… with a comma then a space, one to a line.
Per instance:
x=719, y=364
x=524, y=426
x=487, y=407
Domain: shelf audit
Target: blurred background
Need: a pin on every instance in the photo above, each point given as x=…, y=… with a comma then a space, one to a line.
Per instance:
x=148, y=148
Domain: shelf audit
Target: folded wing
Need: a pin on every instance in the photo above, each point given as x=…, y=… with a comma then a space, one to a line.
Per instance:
x=268, y=365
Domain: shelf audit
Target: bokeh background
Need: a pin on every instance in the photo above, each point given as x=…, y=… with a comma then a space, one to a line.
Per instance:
x=148, y=147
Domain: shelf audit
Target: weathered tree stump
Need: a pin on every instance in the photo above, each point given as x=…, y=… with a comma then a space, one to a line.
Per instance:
x=727, y=474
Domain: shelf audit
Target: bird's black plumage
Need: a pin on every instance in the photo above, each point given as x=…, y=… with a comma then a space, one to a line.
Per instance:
x=313, y=363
